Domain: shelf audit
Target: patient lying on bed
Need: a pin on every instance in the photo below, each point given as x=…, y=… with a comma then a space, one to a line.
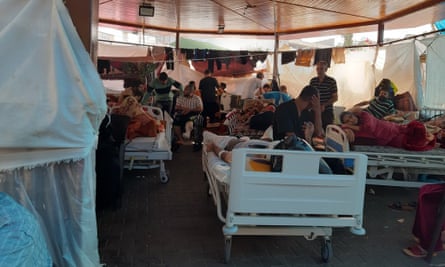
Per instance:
x=141, y=124
x=363, y=128
x=223, y=146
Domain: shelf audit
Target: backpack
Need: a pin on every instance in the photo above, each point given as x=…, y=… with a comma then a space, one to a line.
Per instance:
x=295, y=143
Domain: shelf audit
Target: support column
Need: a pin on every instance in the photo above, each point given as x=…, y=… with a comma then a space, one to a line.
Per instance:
x=85, y=17
x=380, y=34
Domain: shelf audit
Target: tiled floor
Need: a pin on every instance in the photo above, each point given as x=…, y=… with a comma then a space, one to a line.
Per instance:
x=175, y=224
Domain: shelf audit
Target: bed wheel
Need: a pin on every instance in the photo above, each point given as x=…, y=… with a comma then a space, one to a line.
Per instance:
x=326, y=250
x=164, y=179
x=227, y=248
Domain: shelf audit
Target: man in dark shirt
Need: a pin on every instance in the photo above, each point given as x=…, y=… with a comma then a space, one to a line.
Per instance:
x=327, y=88
x=208, y=87
x=301, y=117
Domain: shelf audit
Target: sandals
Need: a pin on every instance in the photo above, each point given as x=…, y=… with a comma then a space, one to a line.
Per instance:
x=399, y=206
x=415, y=251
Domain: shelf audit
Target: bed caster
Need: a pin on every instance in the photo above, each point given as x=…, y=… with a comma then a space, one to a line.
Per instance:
x=164, y=179
x=227, y=248
x=326, y=250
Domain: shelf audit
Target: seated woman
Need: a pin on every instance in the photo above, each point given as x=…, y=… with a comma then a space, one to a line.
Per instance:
x=359, y=124
x=141, y=123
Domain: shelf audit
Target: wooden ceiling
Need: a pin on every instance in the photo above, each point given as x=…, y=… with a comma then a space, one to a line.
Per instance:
x=257, y=17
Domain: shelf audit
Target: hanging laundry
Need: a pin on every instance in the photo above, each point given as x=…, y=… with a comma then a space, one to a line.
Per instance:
x=170, y=58
x=287, y=57
x=304, y=57
x=188, y=53
x=338, y=55
x=244, y=56
x=258, y=56
x=324, y=54
x=157, y=51
x=200, y=54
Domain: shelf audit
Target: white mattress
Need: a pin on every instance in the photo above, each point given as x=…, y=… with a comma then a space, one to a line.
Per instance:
x=158, y=143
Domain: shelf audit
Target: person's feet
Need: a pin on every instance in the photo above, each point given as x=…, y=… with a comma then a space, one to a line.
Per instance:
x=415, y=251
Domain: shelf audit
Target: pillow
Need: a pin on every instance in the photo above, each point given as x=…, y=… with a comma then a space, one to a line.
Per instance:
x=404, y=102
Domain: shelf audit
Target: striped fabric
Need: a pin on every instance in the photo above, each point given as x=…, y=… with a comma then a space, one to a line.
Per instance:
x=381, y=108
x=326, y=88
x=189, y=102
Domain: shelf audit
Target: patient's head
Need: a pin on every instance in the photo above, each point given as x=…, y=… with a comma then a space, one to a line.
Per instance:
x=133, y=91
x=129, y=107
x=349, y=118
x=383, y=94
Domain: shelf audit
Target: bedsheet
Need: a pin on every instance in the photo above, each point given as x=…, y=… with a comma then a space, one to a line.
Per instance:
x=150, y=152
x=385, y=161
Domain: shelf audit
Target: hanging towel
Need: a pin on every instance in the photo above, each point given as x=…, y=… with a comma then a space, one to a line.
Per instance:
x=304, y=57
x=338, y=55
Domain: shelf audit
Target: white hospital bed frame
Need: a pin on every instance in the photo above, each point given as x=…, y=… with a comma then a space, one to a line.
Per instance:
x=154, y=150
x=295, y=202
x=386, y=164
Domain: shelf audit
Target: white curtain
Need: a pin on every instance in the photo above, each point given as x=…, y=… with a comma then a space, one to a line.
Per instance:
x=401, y=67
x=435, y=66
x=50, y=92
x=58, y=186
x=52, y=102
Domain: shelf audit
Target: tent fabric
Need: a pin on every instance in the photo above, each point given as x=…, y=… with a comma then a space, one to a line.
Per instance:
x=435, y=63
x=49, y=87
x=52, y=102
x=21, y=238
x=362, y=70
x=57, y=187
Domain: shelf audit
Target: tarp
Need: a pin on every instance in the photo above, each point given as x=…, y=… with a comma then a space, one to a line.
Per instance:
x=50, y=92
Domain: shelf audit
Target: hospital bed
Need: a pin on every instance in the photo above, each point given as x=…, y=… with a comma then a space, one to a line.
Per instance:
x=150, y=152
x=384, y=161
x=298, y=201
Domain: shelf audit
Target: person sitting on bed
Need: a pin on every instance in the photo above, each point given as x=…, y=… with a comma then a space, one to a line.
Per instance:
x=359, y=124
x=141, y=123
x=301, y=117
x=380, y=106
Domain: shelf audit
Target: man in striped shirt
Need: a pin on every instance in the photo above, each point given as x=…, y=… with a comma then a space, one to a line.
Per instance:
x=327, y=88
x=187, y=106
